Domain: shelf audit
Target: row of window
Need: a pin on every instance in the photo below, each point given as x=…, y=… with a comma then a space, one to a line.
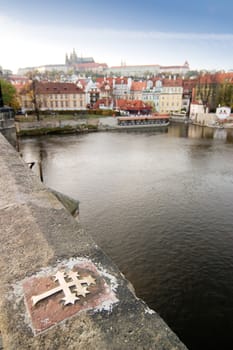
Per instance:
x=173, y=90
x=56, y=104
x=63, y=104
x=170, y=104
x=171, y=97
x=65, y=96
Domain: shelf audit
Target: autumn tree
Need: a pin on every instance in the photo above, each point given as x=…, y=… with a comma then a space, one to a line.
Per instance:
x=9, y=94
x=30, y=93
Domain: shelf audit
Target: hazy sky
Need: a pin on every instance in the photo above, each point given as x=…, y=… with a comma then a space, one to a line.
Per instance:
x=35, y=33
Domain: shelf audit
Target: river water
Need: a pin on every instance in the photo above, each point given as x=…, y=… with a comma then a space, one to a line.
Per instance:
x=160, y=204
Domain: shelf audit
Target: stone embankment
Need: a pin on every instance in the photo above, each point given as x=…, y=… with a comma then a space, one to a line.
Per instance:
x=58, y=290
x=69, y=126
x=45, y=127
x=211, y=120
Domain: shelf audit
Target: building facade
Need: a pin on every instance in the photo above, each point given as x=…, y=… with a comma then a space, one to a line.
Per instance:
x=53, y=96
x=155, y=69
x=170, y=98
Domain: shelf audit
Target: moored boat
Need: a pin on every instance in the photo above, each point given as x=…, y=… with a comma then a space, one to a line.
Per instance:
x=141, y=121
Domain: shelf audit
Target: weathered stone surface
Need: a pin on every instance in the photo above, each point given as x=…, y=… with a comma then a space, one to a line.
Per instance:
x=38, y=236
x=71, y=204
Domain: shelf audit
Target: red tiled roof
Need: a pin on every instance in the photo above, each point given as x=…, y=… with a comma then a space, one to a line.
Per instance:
x=121, y=80
x=103, y=101
x=104, y=81
x=138, y=85
x=217, y=78
x=57, y=88
x=172, y=82
x=132, y=105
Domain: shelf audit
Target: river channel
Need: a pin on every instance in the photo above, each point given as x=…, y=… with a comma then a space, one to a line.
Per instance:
x=160, y=204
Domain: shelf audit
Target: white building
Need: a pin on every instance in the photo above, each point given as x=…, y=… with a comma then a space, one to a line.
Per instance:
x=223, y=112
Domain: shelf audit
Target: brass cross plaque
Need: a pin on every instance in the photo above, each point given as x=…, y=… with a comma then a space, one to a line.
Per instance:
x=58, y=293
x=64, y=286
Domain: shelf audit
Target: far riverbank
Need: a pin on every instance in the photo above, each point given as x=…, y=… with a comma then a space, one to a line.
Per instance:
x=88, y=123
x=63, y=125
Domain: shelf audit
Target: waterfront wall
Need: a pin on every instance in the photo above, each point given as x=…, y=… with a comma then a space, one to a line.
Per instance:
x=56, y=126
x=204, y=119
x=65, y=126
x=6, y=124
x=58, y=290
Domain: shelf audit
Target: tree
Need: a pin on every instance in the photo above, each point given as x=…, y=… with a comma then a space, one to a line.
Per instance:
x=9, y=94
x=191, y=74
x=35, y=99
x=225, y=95
x=152, y=104
x=31, y=91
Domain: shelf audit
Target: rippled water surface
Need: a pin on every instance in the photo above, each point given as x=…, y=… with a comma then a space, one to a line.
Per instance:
x=161, y=205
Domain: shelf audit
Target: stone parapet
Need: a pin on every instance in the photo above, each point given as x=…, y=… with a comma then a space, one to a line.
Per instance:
x=58, y=290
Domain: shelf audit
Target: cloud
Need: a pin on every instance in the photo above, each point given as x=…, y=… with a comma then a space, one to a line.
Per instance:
x=26, y=44
x=180, y=36
x=134, y=34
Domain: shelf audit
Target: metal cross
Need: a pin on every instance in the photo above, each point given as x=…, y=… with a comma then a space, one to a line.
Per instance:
x=73, y=281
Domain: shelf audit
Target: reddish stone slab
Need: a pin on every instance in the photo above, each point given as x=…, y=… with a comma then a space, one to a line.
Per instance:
x=51, y=310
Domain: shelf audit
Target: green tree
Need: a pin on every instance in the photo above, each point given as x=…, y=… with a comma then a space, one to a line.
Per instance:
x=225, y=95
x=9, y=94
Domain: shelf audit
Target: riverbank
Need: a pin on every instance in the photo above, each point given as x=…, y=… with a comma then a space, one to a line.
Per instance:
x=211, y=120
x=76, y=125
x=56, y=126
x=93, y=123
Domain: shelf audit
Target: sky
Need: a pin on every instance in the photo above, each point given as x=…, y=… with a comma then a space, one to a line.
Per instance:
x=39, y=32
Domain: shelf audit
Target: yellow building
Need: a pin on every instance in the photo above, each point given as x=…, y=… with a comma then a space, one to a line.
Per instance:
x=170, y=98
x=53, y=96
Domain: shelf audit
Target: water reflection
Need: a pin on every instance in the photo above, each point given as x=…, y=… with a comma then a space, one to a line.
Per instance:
x=160, y=204
x=179, y=131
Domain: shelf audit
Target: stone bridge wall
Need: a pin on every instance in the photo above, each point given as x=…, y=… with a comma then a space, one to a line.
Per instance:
x=58, y=290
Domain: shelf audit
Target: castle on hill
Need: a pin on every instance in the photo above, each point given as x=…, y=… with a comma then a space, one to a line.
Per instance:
x=88, y=65
x=73, y=59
